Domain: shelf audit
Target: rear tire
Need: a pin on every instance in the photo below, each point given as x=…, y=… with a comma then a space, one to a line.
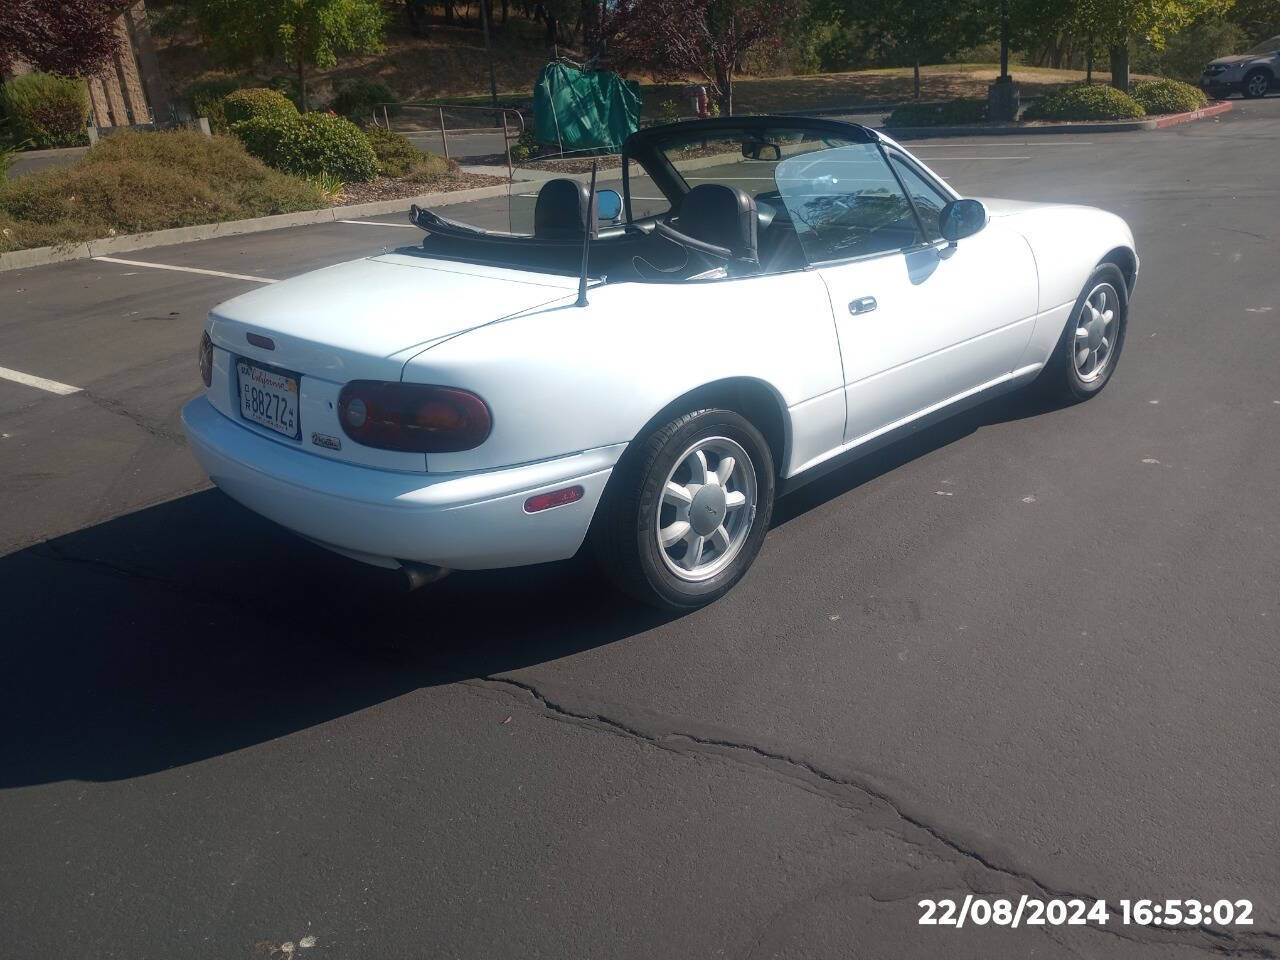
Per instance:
x=1256, y=84
x=1090, y=346
x=664, y=539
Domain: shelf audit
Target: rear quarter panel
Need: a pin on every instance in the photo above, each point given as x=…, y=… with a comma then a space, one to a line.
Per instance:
x=564, y=378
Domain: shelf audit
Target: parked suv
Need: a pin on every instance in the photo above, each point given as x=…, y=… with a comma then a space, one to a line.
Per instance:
x=1251, y=73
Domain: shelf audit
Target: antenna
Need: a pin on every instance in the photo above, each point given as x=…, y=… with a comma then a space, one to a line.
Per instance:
x=586, y=237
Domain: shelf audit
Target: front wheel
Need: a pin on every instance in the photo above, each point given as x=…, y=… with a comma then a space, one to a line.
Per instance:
x=687, y=509
x=1087, y=353
x=1256, y=85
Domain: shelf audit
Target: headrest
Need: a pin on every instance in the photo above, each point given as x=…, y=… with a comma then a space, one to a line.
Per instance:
x=561, y=212
x=725, y=216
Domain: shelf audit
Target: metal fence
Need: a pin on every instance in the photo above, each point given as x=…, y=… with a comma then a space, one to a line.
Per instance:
x=510, y=119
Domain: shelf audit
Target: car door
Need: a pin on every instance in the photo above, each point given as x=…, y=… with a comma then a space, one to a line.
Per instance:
x=920, y=322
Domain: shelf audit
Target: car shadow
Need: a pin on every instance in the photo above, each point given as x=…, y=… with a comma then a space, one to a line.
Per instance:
x=194, y=628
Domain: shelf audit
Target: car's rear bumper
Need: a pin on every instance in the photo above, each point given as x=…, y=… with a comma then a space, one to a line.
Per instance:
x=465, y=521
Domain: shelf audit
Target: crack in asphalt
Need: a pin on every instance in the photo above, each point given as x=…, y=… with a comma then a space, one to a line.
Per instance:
x=146, y=426
x=1225, y=943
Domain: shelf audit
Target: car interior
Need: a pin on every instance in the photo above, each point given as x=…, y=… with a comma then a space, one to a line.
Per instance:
x=718, y=216
x=712, y=230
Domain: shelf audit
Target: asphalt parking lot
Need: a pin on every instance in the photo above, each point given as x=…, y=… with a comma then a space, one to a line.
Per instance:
x=1029, y=650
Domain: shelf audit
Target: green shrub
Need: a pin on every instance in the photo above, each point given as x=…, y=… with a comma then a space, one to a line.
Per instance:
x=670, y=111
x=268, y=138
x=337, y=146
x=257, y=102
x=429, y=168
x=1085, y=102
x=396, y=155
x=310, y=144
x=1169, y=96
x=526, y=144
x=135, y=180
x=46, y=110
x=935, y=114
x=357, y=98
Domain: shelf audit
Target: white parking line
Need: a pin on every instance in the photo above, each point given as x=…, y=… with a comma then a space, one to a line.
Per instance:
x=382, y=223
x=40, y=383
x=169, y=266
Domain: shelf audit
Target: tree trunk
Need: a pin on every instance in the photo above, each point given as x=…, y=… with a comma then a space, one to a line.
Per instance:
x=302, y=85
x=916, y=80
x=1088, y=63
x=1120, y=66
x=486, y=19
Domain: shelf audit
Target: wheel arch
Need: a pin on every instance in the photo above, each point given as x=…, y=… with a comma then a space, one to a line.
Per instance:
x=1127, y=261
x=753, y=398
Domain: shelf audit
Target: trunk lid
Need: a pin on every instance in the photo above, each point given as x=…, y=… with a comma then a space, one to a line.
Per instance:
x=363, y=319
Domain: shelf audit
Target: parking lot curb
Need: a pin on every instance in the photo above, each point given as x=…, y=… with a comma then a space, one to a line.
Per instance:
x=107, y=246
x=1213, y=110
x=1083, y=126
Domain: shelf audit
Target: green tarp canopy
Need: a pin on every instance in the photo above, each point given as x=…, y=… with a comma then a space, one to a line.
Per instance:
x=576, y=109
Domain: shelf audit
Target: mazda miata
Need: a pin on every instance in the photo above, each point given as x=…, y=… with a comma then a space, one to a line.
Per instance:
x=762, y=299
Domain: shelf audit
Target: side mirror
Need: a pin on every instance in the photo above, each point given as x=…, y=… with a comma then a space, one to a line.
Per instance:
x=962, y=218
x=608, y=205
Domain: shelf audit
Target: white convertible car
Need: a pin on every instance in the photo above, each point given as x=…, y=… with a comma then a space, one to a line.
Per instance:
x=647, y=373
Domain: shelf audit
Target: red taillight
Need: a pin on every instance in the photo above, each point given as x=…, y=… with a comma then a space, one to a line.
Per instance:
x=556, y=498
x=416, y=417
x=206, y=359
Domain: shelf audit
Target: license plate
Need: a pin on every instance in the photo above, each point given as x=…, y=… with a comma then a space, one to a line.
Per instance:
x=270, y=398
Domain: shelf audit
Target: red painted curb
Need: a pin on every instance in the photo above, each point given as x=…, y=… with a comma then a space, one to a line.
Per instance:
x=1211, y=111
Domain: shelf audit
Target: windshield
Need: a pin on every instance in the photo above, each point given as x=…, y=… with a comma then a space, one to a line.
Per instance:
x=845, y=202
x=1266, y=46
x=743, y=158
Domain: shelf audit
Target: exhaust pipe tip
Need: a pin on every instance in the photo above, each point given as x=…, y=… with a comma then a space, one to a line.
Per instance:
x=420, y=574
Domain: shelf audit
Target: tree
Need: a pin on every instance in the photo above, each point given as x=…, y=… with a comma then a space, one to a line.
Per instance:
x=71, y=37
x=305, y=34
x=1046, y=31
x=925, y=31
x=1260, y=19
x=705, y=38
x=1114, y=23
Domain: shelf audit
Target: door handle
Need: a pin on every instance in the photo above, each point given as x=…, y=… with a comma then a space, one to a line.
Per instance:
x=862, y=305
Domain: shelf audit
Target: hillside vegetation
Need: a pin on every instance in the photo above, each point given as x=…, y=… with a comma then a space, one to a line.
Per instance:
x=449, y=63
x=133, y=182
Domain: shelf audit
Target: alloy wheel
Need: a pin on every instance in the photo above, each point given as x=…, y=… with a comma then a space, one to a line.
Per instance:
x=1096, y=331
x=707, y=509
